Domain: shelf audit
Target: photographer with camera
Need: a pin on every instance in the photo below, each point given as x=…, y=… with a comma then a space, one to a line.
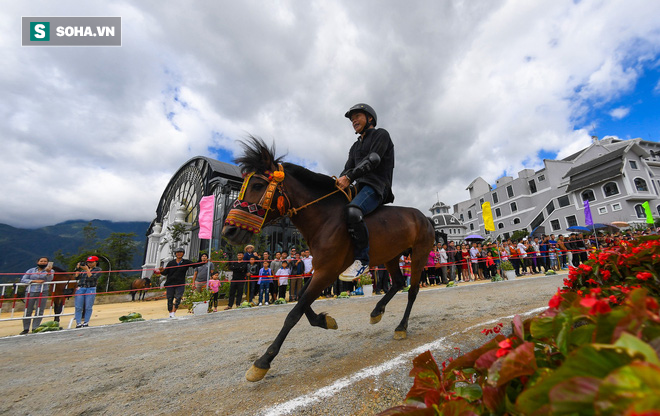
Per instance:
x=175, y=270
x=88, y=275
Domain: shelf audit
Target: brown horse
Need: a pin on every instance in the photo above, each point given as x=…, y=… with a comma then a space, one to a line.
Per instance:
x=140, y=286
x=62, y=291
x=298, y=192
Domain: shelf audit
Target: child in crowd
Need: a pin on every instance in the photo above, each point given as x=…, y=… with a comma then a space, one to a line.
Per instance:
x=214, y=288
x=283, y=279
x=265, y=278
x=558, y=255
x=552, y=253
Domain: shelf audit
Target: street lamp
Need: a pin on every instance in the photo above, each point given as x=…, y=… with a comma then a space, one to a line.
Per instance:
x=107, y=283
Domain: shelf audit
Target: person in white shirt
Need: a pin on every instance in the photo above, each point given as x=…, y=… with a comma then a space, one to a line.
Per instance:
x=283, y=274
x=522, y=251
x=307, y=261
x=442, y=259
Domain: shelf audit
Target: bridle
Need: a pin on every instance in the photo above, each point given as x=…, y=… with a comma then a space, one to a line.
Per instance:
x=252, y=217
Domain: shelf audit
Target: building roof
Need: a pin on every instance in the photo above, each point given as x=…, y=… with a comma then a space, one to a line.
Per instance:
x=607, y=166
x=447, y=220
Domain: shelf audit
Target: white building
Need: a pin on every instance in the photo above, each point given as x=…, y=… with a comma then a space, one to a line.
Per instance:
x=444, y=222
x=615, y=176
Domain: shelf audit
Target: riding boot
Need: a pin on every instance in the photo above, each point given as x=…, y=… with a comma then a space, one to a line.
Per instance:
x=359, y=234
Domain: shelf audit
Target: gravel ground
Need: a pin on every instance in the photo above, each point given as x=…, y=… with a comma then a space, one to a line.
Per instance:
x=196, y=364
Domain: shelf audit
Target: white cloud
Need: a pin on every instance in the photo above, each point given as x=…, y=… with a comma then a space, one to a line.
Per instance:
x=619, y=113
x=466, y=89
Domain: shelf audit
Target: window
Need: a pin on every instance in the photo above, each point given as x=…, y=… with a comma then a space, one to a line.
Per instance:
x=516, y=221
x=471, y=226
x=571, y=221
x=633, y=164
x=541, y=178
x=563, y=201
x=481, y=202
x=555, y=225
x=500, y=226
x=616, y=207
x=602, y=210
x=495, y=199
x=658, y=209
x=461, y=217
x=639, y=210
x=550, y=208
x=532, y=186
x=640, y=185
x=537, y=221
x=435, y=221
x=514, y=207
x=498, y=212
x=509, y=191
x=610, y=189
x=588, y=195
x=469, y=215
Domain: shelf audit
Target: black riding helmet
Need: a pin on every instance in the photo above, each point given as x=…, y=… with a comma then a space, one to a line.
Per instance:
x=365, y=108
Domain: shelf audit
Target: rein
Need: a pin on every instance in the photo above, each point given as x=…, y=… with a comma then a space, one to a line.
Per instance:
x=251, y=217
x=347, y=193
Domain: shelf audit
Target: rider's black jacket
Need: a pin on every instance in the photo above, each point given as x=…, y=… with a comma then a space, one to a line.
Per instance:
x=379, y=178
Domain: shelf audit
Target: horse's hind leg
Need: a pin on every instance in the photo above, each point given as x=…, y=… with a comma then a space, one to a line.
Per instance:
x=322, y=320
x=418, y=261
x=398, y=281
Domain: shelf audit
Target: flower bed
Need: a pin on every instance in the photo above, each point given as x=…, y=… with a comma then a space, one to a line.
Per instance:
x=593, y=351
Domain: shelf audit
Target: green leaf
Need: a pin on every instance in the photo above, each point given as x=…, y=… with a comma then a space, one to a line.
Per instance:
x=637, y=348
x=636, y=385
x=470, y=392
x=582, y=335
x=543, y=327
x=574, y=396
x=563, y=336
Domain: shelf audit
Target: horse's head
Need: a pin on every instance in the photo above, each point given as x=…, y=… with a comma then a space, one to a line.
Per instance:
x=261, y=199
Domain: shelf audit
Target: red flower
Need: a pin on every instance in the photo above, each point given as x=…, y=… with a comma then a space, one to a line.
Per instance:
x=593, y=282
x=586, y=268
x=644, y=275
x=505, y=348
x=555, y=301
x=597, y=306
x=651, y=304
x=606, y=274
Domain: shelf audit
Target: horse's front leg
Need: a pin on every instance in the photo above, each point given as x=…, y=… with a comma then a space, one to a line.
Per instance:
x=401, y=331
x=398, y=282
x=262, y=364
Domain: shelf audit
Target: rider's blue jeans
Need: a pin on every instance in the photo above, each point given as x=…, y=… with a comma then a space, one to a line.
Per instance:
x=367, y=200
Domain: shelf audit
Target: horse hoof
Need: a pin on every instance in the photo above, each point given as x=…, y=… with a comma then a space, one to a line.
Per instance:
x=330, y=322
x=400, y=335
x=255, y=374
x=375, y=319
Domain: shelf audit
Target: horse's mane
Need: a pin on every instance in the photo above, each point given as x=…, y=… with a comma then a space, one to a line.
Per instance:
x=258, y=157
x=313, y=180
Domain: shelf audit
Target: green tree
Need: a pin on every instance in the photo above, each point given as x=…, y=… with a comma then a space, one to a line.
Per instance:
x=519, y=234
x=90, y=238
x=120, y=249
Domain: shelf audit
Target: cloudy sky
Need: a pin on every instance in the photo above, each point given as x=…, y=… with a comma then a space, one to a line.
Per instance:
x=465, y=88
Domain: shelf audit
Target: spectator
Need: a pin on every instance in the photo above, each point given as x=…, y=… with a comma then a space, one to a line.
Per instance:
x=88, y=275
x=249, y=253
x=36, y=292
x=553, y=258
x=451, y=259
x=275, y=266
x=534, y=251
x=522, y=253
x=297, y=270
x=309, y=268
x=214, y=288
x=442, y=262
x=238, y=272
x=474, y=262
x=252, y=273
x=283, y=279
x=491, y=270
x=382, y=283
x=201, y=275
x=564, y=251
x=265, y=278
x=175, y=270
x=465, y=263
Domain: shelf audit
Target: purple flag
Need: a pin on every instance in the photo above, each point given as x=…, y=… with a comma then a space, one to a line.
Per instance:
x=587, y=214
x=206, y=205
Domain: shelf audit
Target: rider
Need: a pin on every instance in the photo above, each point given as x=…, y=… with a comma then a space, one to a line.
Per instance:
x=370, y=165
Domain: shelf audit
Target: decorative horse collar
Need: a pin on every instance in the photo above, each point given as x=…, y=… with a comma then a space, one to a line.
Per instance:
x=251, y=217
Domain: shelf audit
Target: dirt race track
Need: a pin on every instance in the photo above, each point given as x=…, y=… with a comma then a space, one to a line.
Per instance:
x=196, y=364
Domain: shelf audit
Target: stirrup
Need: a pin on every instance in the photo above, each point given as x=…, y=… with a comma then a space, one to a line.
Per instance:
x=354, y=271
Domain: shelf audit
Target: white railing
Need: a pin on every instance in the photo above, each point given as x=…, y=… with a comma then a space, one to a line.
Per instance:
x=15, y=299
